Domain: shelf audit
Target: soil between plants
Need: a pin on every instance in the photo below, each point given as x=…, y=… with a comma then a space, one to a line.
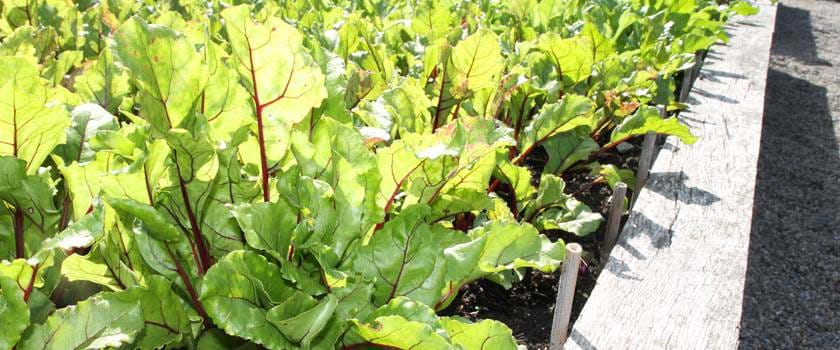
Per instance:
x=527, y=307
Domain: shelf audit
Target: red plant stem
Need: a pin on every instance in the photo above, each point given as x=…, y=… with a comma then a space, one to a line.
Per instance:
x=393, y=197
x=205, y=261
x=457, y=109
x=612, y=145
x=588, y=186
x=438, y=109
x=495, y=184
x=18, y=223
x=518, y=127
x=448, y=294
x=199, y=308
x=28, y=290
x=260, y=133
x=263, y=159
x=65, y=213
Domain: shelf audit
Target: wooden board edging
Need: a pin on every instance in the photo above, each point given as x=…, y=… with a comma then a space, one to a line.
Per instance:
x=675, y=280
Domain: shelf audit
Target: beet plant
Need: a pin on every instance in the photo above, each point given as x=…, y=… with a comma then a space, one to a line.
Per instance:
x=316, y=175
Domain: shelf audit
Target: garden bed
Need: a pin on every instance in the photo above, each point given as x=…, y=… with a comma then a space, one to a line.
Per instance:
x=347, y=174
x=655, y=263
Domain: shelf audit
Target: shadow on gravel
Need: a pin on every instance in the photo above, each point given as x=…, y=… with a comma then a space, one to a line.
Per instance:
x=801, y=44
x=789, y=299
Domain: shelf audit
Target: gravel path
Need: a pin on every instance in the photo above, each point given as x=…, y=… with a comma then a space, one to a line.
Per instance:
x=792, y=295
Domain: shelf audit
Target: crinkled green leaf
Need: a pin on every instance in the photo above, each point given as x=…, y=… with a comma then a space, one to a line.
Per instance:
x=400, y=333
x=267, y=226
x=405, y=258
x=484, y=334
x=224, y=102
x=94, y=268
x=239, y=290
x=108, y=319
x=499, y=246
x=165, y=314
x=302, y=319
x=554, y=209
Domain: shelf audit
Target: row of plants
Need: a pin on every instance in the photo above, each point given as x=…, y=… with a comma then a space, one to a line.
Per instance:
x=310, y=174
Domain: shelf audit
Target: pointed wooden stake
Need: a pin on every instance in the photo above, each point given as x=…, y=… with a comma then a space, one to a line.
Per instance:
x=690, y=74
x=614, y=220
x=645, y=161
x=565, y=296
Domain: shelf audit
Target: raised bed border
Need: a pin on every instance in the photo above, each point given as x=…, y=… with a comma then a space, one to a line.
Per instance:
x=675, y=279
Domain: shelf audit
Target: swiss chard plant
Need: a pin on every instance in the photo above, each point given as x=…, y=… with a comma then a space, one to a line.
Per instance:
x=315, y=175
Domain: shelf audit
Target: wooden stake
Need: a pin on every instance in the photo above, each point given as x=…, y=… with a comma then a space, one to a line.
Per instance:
x=690, y=74
x=686, y=85
x=699, y=57
x=614, y=220
x=645, y=161
x=565, y=296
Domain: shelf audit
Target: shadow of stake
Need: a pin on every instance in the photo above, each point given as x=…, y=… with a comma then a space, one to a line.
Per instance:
x=671, y=184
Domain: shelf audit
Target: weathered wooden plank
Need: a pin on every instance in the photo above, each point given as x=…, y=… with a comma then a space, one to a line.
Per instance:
x=676, y=278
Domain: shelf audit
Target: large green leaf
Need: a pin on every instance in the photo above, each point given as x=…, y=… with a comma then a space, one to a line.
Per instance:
x=14, y=313
x=31, y=112
x=405, y=258
x=569, y=148
x=103, y=82
x=104, y=321
x=165, y=68
x=574, y=57
x=165, y=314
x=30, y=198
x=475, y=63
x=284, y=82
x=552, y=119
x=485, y=334
x=239, y=290
x=648, y=119
x=500, y=246
x=224, y=102
x=94, y=267
x=267, y=226
x=88, y=119
x=153, y=220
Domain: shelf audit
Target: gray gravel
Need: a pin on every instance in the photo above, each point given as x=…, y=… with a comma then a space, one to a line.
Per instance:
x=792, y=294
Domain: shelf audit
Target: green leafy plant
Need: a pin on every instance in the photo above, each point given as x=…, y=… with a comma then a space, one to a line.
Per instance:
x=316, y=175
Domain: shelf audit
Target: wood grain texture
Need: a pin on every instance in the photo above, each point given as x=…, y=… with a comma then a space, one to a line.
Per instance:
x=565, y=296
x=675, y=279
